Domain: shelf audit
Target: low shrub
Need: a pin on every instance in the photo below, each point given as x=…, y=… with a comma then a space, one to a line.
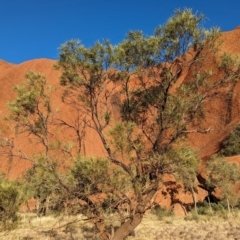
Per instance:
x=162, y=212
x=9, y=204
x=231, y=145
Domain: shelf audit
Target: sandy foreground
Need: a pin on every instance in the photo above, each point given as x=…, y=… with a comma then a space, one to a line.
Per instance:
x=169, y=228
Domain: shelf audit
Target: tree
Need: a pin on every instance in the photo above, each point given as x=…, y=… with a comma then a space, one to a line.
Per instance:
x=223, y=175
x=142, y=78
x=186, y=171
x=30, y=115
x=33, y=118
x=31, y=110
x=43, y=182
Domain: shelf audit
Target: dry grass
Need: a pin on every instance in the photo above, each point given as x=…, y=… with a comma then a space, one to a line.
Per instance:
x=173, y=228
x=170, y=228
x=48, y=228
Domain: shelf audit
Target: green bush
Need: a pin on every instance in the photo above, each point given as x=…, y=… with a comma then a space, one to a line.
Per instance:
x=203, y=208
x=162, y=212
x=9, y=204
x=231, y=145
x=217, y=209
x=42, y=182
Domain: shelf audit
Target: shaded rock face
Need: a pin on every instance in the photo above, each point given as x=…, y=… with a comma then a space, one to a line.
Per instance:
x=179, y=209
x=173, y=195
x=221, y=117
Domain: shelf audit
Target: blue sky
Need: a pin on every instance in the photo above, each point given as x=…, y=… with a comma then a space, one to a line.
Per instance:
x=36, y=29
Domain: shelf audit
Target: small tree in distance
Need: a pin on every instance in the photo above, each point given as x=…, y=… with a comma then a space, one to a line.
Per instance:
x=31, y=111
x=142, y=74
x=223, y=175
x=33, y=117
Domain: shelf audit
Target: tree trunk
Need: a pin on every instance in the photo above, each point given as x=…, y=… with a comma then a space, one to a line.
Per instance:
x=47, y=205
x=210, y=207
x=194, y=200
x=128, y=227
x=228, y=205
x=101, y=228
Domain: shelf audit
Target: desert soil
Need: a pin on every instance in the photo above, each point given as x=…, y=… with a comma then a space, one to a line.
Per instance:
x=170, y=228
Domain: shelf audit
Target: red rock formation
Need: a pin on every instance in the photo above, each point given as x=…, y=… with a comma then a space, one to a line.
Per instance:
x=206, y=144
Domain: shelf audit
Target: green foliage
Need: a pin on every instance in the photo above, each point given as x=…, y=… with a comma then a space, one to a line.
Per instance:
x=231, y=145
x=217, y=209
x=220, y=170
x=40, y=181
x=91, y=175
x=31, y=97
x=124, y=139
x=10, y=199
x=203, y=208
x=44, y=183
x=229, y=64
x=180, y=30
x=94, y=175
x=223, y=175
x=31, y=111
x=186, y=163
x=91, y=61
x=162, y=212
x=137, y=51
x=32, y=114
x=181, y=161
